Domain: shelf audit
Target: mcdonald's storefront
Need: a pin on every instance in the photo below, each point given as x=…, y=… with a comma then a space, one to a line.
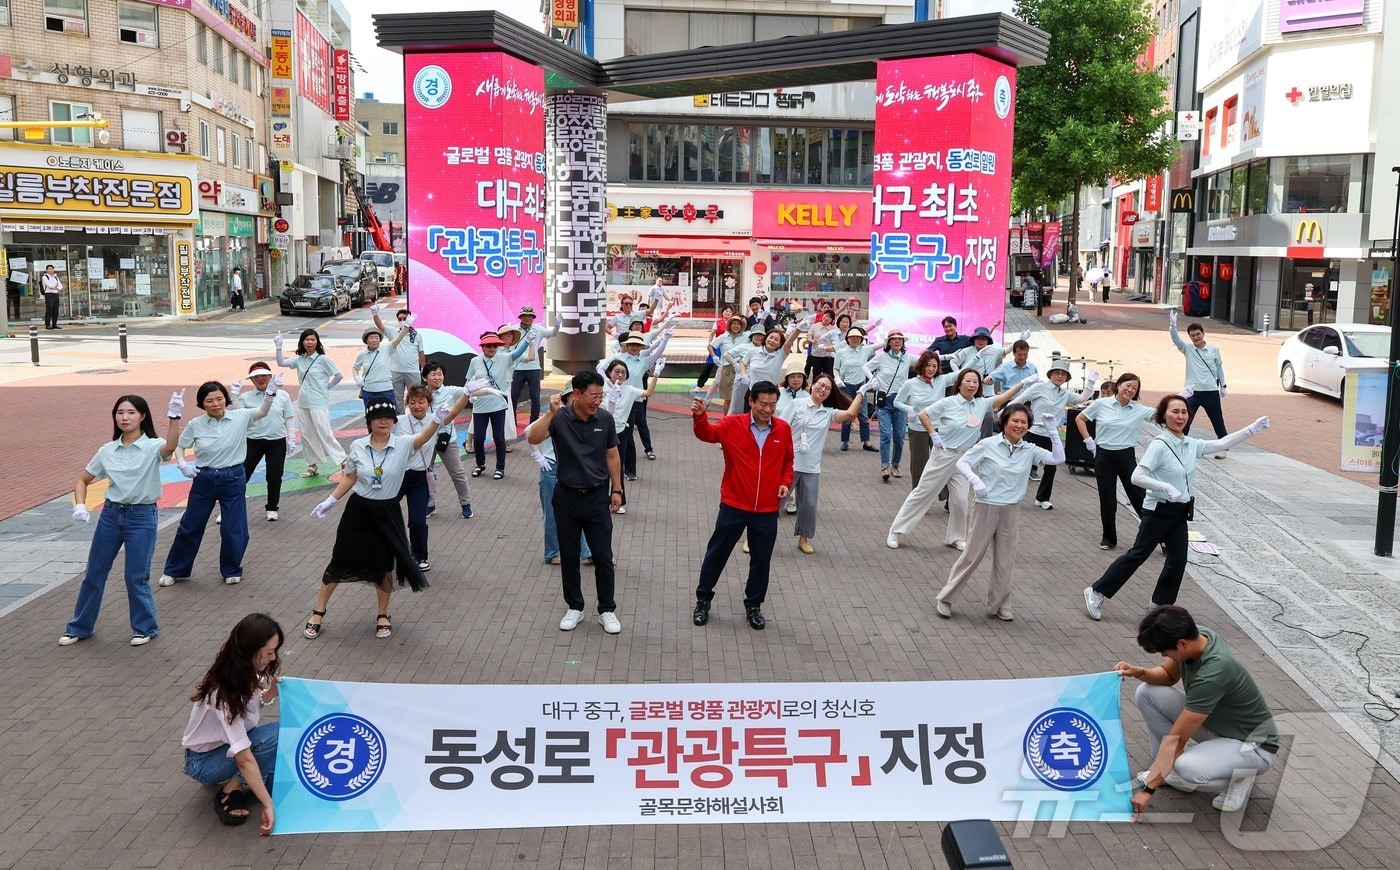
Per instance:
x=1299, y=269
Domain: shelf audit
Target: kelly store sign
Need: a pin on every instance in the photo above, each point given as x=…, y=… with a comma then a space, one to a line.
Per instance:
x=476, y=191
x=93, y=184
x=942, y=198
x=798, y=215
x=393, y=757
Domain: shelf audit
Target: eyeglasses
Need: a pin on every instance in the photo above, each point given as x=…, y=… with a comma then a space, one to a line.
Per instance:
x=593, y=396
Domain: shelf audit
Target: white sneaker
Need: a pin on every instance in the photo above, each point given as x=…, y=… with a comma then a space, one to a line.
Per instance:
x=68, y=639
x=1233, y=799
x=622, y=509
x=792, y=507
x=609, y=622
x=1093, y=602
x=166, y=580
x=272, y=516
x=218, y=519
x=233, y=581
x=1045, y=505
x=959, y=545
x=892, y=541
x=139, y=640
x=571, y=620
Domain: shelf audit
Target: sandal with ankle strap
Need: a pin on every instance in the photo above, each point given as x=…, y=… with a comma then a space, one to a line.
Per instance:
x=313, y=629
x=227, y=804
x=385, y=630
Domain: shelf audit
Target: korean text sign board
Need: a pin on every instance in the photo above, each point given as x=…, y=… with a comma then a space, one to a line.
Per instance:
x=942, y=196
x=476, y=194
x=342, y=84
x=385, y=757
x=313, y=63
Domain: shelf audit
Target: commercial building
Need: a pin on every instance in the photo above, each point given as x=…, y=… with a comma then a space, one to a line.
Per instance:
x=382, y=125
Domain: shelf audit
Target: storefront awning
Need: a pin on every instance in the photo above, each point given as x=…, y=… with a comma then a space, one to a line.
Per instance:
x=692, y=246
x=839, y=246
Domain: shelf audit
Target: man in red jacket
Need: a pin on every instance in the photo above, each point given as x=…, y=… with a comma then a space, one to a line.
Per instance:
x=757, y=477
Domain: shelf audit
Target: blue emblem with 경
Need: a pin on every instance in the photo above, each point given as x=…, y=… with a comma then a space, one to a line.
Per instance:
x=1066, y=749
x=340, y=756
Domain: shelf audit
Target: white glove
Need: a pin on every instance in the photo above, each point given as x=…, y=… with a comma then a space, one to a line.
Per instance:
x=277, y=340
x=1172, y=315
x=476, y=385
x=176, y=406
x=235, y=388
x=742, y=379
x=274, y=385
x=443, y=414
x=541, y=460
x=408, y=321
x=1258, y=425
x=869, y=385
x=871, y=327
x=1092, y=379
x=319, y=511
x=659, y=367
x=1173, y=494
x=937, y=441
x=1030, y=380
x=1025, y=335
x=1186, y=392
x=190, y=471
x=1091, y=446
x=374, y=307
x=979, y=488
x=1049, y=422
x=1222, y=392
x=989, y=352
x=80, y=513
x=791, y=330
x=359, y=381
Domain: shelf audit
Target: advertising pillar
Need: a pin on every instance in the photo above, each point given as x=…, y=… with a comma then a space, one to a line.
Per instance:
x=576, y=130
x=942, y=201
x=474, y=127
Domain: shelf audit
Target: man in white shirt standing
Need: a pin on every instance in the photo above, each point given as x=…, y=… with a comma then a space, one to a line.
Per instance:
x=235, y=289
x=52, y=287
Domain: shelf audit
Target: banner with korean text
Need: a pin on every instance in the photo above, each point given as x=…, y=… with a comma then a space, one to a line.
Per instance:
x=476, y=193
x=392, y=757
x=942, y=199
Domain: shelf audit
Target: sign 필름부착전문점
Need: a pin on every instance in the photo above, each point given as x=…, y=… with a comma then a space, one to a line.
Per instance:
x=96, y=185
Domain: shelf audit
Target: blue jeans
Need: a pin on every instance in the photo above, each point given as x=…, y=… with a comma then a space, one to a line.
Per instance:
x=864, y=417
x=227, y=487
x=214, y=767
x=548, y=479
x=893, y=422
x=132, y=526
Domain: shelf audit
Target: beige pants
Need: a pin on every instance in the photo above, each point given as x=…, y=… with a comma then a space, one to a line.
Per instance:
x=994, y=526
x=941, y=469
x=318, y=442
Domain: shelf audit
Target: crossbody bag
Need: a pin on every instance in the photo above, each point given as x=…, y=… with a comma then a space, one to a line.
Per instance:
x=1190, y=506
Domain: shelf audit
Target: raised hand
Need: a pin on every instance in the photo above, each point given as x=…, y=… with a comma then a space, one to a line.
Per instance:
x=1025, y=335
x=659, y=367
x=275, y=384
x=1093, y=377
x=1091, y=446
x=80, y=513
x=556, y=402
x=1030, y=380
x=1258, y=425
x=277, y=340
x=176, y=406
x=374, y=307
x=408, y=321
x=235, y=388
x=697, y=407
x=319, y=511
x=1172, y=316
x=991, y=351
x=443, y=414
x=1049, y=422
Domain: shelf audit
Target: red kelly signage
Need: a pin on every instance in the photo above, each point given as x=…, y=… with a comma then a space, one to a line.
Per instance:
x=313, y=63
x=791, y=214
x=342, y=84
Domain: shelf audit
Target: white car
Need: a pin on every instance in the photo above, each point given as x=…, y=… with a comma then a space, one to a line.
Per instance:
x=1318, y=358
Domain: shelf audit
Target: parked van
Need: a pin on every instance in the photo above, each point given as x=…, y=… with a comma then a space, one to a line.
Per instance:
x=383, y=263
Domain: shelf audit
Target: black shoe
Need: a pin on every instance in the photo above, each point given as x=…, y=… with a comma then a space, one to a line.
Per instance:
x=755, y=618
x=702, y=613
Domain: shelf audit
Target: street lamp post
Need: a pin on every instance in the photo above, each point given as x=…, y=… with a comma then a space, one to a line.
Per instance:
x=1390, y=443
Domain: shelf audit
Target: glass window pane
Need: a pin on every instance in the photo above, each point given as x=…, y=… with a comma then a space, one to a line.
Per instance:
x=647, y=31
x=816, y=150
x=655, y=152
x=850, y=169
x=1258, y=199
x=724, y=154
x=782, y=144
x=690, y=153
x=718, y=28
x=867, y=159
x=1316, y=184
x=797, y=159
x=1239, y=186
x=636, y=152
x=709, y=153
x=833, y=156
x=670, y=152
x=743, y=155
x=778, y=26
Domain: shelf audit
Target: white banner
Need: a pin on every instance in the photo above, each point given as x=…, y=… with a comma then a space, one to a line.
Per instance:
x=394, y=757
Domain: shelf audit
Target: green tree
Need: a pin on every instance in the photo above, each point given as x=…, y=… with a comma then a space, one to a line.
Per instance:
x=1093, y=110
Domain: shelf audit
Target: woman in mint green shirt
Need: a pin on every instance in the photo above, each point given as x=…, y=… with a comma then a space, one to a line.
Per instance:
x=319, y=375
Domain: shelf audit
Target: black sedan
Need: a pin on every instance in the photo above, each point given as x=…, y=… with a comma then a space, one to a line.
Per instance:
x=316, y=294
x=361, y=275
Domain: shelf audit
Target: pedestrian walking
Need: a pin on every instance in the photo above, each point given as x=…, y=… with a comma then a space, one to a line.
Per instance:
x=1117, y=424
x=758, y=473
x=226, y=743
x=370, y=543
x=220, y=442
x=267, y=438
x=997, y=469
x=1218, y=734
x=587, y=493
x=1167, y=472
x=1205, y=376
x=1106, y=285
x=235, y=289
x=372, y=371
x=528, y=372
x=1051, y=396
x=810, y=421
x=953, y=425
x=318, y=374
x=51, y=286
x=490, y=410
x=407, y=359
x=890, y=369
x=850, y=361
x=130, y=463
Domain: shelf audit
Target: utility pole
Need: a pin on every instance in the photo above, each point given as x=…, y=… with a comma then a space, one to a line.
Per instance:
x=1390, y=446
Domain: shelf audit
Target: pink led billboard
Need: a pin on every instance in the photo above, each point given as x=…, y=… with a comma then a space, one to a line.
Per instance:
x=942, y=198
x=476, y=194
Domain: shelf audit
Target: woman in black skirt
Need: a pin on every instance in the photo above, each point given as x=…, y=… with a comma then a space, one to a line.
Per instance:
x=371, y=545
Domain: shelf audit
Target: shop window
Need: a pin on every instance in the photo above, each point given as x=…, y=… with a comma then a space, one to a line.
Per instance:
x=636, y=152
x=718, y=28
x=391, y=128
x=1218, y=196
x=1316, y=184
x=650, y=31
x=61, y=111
x=218, y=54
x=65, y=16
x=1239, y=186
x=141, y=130
x=136, y=24
x=1257, y=199
x=204, y=139
x=816, y=153
x=743, y=155
x=201, y=44
x=237, y=151
x=7, y=113
x=391, y=157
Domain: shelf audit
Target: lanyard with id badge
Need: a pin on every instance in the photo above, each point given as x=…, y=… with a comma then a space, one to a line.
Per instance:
x=377, y=481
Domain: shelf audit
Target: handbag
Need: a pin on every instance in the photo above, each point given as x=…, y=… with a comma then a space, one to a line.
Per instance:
x=444, y=438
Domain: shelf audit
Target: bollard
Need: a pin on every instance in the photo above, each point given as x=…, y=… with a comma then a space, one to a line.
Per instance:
x=1266, y=324
x=121, y=339
x=34, y=344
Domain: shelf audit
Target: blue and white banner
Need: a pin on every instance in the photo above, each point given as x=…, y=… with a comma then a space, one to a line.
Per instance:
x=396, y=757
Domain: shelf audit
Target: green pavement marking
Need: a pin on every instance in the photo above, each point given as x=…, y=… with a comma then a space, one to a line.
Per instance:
x=574, y=662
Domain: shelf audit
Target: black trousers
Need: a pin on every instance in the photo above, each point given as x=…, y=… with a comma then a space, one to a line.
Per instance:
x=637, y=423
x=497, y=421
x=706, y=373
x=274, y=450
x=415, y=490
x=1210, y=400
x=1111, y=466
x=1047, y=474
x=527, y=379
x=730, y=525
x=235, y=301
x=1164, y=524
x=51, y=310
x=628, y=448
x=585, y=512
x=817, y=365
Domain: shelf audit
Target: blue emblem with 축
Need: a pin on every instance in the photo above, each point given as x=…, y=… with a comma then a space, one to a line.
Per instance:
x=1066, y=749
x=340, y=756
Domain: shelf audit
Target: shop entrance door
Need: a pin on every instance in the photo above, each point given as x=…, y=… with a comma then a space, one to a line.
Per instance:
x=715, y=284
x=1305, y=296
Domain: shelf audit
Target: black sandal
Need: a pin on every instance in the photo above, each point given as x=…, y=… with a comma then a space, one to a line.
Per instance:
x=226, y=805
x=313, y=629
x=383, y=631
x=476, y=472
